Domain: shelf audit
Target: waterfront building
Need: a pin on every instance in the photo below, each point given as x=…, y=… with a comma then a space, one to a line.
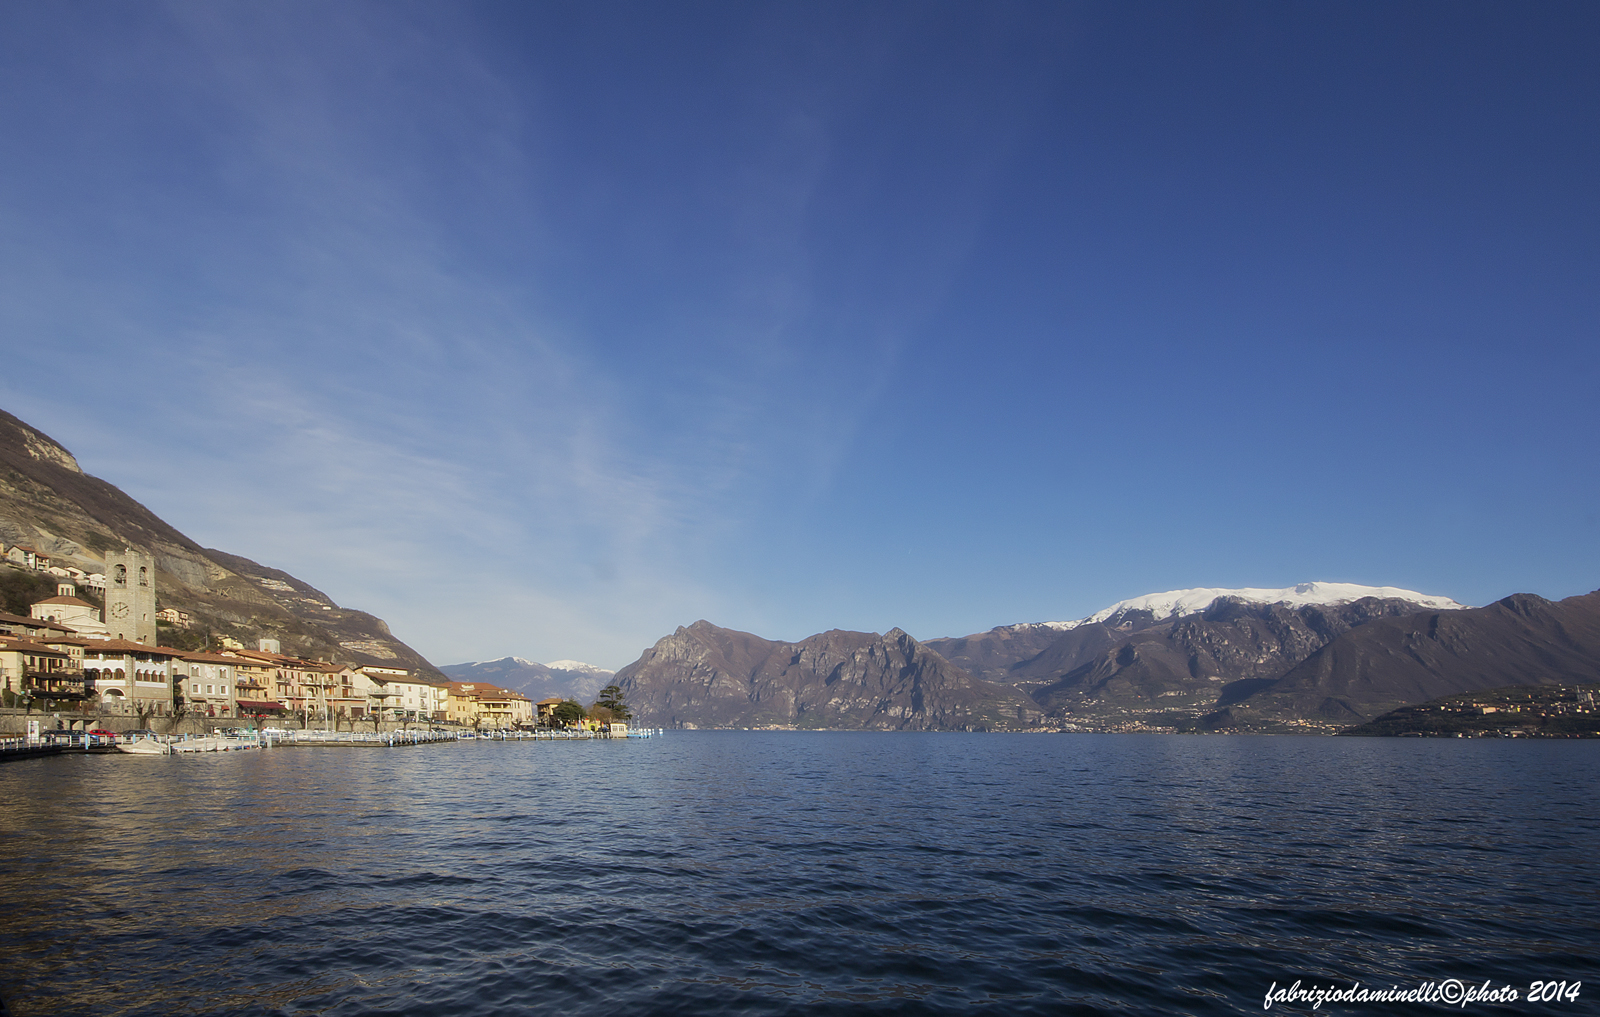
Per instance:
x=546, y=710
x=208, y=683
x=253, y=685
x=128, y=675
x=299, y=686
x=485, y=705
x=40, y=672
x=395, y=694
x=347, y=697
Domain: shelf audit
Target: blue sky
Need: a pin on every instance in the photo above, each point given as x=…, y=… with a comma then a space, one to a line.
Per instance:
x=543, y=329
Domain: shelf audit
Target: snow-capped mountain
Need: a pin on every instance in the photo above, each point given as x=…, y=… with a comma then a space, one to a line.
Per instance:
x=576, y=665
x=567, y=679
x=1178, y=603
x=1224, y=634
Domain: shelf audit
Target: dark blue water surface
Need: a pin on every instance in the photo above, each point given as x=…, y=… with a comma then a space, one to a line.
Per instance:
x=728, y=872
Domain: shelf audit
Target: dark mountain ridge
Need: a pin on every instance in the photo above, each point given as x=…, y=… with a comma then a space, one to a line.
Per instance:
x=1393, y=662
x=707, y=676
x=1178, y=670
x=1238, y=664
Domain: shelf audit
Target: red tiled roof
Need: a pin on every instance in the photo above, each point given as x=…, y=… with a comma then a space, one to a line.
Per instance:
x=202, y=657
x=38, y=623
x=29, y=646
x=129, y=646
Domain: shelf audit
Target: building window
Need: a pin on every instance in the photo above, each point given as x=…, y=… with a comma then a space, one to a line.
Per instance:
x=120, y=577
x=144, y=576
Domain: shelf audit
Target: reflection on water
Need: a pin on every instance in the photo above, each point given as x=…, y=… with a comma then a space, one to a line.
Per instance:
x=708, y=872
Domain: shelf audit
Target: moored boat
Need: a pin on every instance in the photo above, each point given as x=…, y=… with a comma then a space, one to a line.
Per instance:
x=145, y=747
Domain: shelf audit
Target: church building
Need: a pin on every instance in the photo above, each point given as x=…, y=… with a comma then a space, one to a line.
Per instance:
x=66, y=609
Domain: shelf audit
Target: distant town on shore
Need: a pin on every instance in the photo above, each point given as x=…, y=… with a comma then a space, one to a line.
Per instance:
x=76, y=656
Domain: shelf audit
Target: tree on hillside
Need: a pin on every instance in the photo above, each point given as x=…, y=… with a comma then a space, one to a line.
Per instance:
x=20, y=590
x=568, y=712
x=611, y=699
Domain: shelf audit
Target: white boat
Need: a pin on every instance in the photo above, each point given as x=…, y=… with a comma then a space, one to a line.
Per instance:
x=145, y=747
x=215, y=743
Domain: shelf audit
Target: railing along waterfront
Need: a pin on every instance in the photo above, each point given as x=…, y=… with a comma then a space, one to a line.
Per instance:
x=18, y=746
x=425, y=737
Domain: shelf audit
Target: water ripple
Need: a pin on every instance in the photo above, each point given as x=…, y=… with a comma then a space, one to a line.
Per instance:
x=707, y=873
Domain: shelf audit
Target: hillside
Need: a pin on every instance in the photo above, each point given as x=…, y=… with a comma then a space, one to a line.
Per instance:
x=49, y=503
x=1031, y=654
x=992, y=655
x=1170, y=674
x=706, y=676
x=1521, y=711
x=1394, y=662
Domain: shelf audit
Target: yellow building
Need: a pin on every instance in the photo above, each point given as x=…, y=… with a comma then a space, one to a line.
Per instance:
x=41, y=672
x=483, y=705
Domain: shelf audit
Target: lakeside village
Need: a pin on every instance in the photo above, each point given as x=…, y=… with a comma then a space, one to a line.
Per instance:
x=69, y=667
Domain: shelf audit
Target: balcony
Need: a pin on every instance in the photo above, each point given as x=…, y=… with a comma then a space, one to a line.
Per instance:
x=56, y=685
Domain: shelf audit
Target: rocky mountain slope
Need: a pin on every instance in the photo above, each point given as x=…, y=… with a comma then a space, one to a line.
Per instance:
x=1313, y=657
x=1001, y=653
x=991, y=655
x=1393, y=662
x=566, y=679
x=49, y=503
x=1172, y=673
x=706, y=676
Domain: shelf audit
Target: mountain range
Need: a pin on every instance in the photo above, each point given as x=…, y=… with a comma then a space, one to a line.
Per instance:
x=706, y=676
x=1317, y=656
x=564, y=679
x=1392, y=662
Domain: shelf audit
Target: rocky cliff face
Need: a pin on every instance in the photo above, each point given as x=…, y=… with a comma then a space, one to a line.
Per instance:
x=991, y=655
x=706, y=676
x=49, y=503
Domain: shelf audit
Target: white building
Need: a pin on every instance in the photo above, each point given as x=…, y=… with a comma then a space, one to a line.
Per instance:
x=395, y=694
x=66, y=609
x=127, y=675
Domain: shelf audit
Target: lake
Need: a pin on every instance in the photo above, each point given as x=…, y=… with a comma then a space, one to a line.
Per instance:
x=777, y=872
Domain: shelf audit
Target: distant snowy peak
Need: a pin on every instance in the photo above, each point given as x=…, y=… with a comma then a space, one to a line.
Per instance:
x=511, y=663
x=1177, y=603
x=577, y=665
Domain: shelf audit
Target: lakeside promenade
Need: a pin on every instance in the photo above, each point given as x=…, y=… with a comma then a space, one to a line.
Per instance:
x=81, y=742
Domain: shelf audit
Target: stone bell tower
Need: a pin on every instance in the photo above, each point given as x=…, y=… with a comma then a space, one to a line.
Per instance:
x=131, y=596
